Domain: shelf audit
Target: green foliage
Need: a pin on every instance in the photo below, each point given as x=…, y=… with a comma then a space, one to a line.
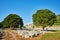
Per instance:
x=12, y=20
x=44, y=18
x=58, y=20
x=1, y=25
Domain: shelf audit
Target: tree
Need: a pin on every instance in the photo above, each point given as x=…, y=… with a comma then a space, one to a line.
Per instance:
x=44, y=18
x=1, y=25
x=58, y=20
x=12, y=20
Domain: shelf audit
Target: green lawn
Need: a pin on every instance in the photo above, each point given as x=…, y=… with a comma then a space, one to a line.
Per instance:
x=51, y=36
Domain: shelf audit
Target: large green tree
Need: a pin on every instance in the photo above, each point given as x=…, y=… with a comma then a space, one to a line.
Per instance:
x=12, y=20
x=58, y=20
x=44, y=17
x=1, y=25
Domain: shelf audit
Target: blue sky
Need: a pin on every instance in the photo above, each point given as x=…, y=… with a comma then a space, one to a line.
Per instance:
x=25, y=8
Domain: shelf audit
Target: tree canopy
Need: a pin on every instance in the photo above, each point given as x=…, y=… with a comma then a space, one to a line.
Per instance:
x=1, y=25
x=12, y=20
x=58, y=20
x=44, y=17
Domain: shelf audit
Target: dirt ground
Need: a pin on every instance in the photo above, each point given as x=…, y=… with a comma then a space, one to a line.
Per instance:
x=9, y=35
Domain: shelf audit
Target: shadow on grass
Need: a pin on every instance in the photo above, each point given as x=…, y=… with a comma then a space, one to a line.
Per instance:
x=50, y=30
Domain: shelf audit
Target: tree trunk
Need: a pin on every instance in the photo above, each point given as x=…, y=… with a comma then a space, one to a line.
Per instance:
x=43, y=28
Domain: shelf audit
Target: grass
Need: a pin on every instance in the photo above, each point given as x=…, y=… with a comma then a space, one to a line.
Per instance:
x=51, y=36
